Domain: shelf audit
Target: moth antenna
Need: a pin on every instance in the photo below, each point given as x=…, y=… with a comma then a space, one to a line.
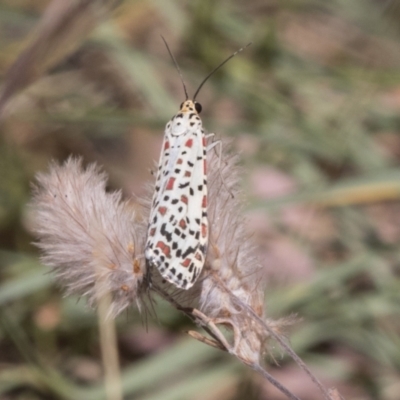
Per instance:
x=217, y=68
x=176, y=66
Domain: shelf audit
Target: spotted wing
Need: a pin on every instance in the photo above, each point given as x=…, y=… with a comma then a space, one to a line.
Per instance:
x=178, y=229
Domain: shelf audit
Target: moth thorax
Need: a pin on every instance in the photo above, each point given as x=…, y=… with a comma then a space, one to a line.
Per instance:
x=179, y=125
x=186, y=123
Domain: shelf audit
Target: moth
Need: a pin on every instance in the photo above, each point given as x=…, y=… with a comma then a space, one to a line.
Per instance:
x=178, y=229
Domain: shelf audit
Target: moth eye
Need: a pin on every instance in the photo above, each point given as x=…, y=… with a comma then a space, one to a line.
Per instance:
x=198, y=107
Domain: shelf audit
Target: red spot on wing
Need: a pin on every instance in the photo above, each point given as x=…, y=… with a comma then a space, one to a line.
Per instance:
x=180, y=161
x=205, y=166
x=182, y=224
x=189, y=143
x=170, y=184
x=164, y=248
x=203, y=230
x=204, y=202
x=162, y=210
x=184, y=199
x=204, y=142
x=188, y=173
x=186, y=262
x=166, y=145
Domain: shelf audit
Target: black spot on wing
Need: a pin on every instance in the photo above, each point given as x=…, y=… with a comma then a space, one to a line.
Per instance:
x=189, y=250
x=165, y=233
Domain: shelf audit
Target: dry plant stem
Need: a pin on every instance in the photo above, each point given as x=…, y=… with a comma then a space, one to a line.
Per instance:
x=208, y=322
x=281, y=341
x=231, y=350
x=201, y=338
x=109, y=350
x=219, y=341
x=258, y=368
x=295, y=357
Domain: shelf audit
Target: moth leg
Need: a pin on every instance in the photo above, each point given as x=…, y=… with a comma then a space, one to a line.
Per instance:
x=209, y=135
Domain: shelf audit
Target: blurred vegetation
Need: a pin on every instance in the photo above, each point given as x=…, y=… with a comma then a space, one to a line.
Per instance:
x=314, y=103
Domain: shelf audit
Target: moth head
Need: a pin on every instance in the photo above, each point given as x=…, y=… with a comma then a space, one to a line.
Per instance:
x=190, y=106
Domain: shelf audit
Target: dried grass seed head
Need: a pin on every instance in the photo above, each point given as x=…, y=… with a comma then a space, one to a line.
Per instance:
x=89, y=238
x=233, y=280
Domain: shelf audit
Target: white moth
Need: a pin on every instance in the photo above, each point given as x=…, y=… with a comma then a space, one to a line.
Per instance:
x=178, y=226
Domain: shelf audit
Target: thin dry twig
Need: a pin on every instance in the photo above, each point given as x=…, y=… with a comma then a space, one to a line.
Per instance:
x=219, y=341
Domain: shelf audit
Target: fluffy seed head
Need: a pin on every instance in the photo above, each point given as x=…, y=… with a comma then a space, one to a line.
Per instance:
x=233, y=279
x=88, y=237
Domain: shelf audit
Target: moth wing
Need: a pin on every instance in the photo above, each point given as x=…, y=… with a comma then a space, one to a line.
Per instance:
x=178, y=230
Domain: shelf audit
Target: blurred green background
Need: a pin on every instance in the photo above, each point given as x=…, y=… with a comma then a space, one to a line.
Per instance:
x=313, y=107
